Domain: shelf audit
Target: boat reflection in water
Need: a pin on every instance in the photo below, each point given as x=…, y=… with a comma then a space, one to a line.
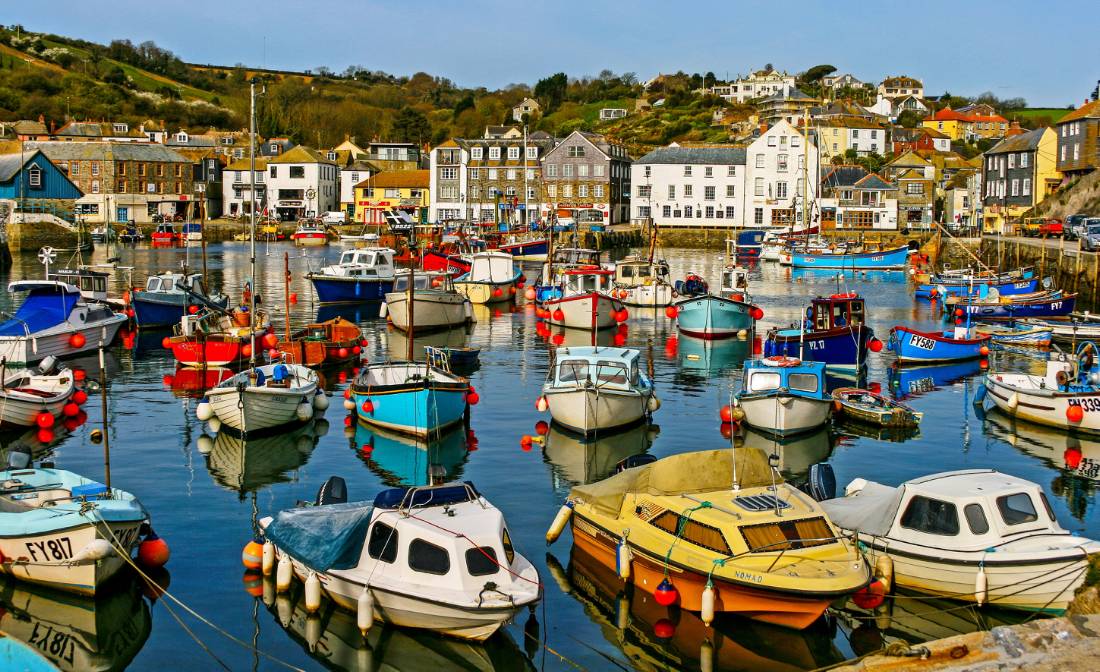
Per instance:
x=796, y=453
x=656, y=638
x=357, y=313
x=575, y=338
x=402, y=460
x=397, y=341
x=909, y=381
x=576, y=459
x=75, y=632
x=248, y=465
x=854, y=428
x=708, y=357
x=331, y=636
x=190, y=382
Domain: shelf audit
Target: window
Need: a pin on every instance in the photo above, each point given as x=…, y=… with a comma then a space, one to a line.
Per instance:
x=530, y=173
x=122, y=188
x=687, y=191
x=531, y=195
x=688, y=211
x=1023, y=159
x=597, y=191
x=510, y=191
x=730, y=191
x=781, y=163
x=731, y=171
x=382, y=544
x=448, y=193
x=160, y=169
x=575, y=151
x=710, y=212
x=1017, y=509
x=582, y=191
x=444, y=173
x=513, y=153
x=729, y=212
x=475, y=193
x=477, y=153
x=708, y=193
x=494, y=153
x=567, y=191
x=297, y=172
x=931, y=516
x=122, y=169
x=582, y=170
x=475, y=173
x=758, y=187
x=648, y=171
x=1015, y=187
x=567, y=170
x=272, y=171
x=597, y=170
x=428, y=558
x=492, y=173
x=551, y=170
x=780, y=189
x=1011, y=160
x=687, y=171
x=975, y=518
x=95, y=167
x=645, y=191
x=532, y=152
x=481, y=561
x=708, y=171
x=34, y=177
x=552, y=190
x=916, y=189
x=1076, y=151
x=1062, y=151
x=771, y=141
x=510, y=174
x=274, y=148
x=758, y=216
x=95, y=186
x=393, y=193
x=672, y=191
x=666, y=211
x=806, y=382
x=759, y=160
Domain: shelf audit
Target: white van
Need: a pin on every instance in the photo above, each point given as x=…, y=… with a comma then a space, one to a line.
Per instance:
x=334, y=217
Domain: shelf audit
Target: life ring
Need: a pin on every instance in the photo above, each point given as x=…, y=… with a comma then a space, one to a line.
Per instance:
x=781, y=361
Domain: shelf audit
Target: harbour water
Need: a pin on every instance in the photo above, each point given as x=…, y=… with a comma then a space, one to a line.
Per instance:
x=204, y=491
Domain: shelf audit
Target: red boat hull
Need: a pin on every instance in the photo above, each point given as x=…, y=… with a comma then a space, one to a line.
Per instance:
x=211, y=351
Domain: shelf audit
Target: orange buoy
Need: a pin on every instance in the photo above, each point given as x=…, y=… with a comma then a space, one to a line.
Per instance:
x=294, y=297
x=154, y=552
x=984, y=350
x=342, y=352
x=671, y=312
x=246, y=350
x=80, y=396
x=44, y=436
x=368, y=406
x=270, y=340
x=725, y=414
x=77, y=340
x=166, y=342
x=70, y=409
x=253, y=555
x=192, y=309
x=874, y=345
x=542, y=427
x=44, y=420
x=1075, y=414
x=79, y=375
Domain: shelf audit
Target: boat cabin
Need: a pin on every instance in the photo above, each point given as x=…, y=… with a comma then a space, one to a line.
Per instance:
x=166, y=230
x=491, y=266
x=735, y=279
x=175, y=283
x=745, y=242
x=424, y=281
x=971, y=509
x=364, y=262
x=632, y=272
x=606, y=368
x=585, y=281
x=836, y=311
x=773, y=373
x=576, y=256
x=92, y=284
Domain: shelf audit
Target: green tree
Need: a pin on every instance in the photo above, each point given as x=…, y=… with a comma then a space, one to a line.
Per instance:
x=551, y=90
x=709, y=80
x=910, y=119
x=410, y=125
x=815, y=73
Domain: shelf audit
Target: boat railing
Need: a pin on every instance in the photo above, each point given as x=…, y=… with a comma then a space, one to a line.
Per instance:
x=409, y=501
x=438, y=358
x=11, y=316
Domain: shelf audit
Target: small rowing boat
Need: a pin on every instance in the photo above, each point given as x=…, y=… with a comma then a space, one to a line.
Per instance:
x=866, y=406
x=1018, y=335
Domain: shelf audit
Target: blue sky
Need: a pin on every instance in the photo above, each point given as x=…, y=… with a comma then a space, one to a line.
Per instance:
x=1045, y=52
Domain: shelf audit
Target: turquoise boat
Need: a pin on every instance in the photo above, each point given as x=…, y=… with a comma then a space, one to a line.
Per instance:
x=896, y=258
x=410, y=397
x=15, y=655
x=714, y=317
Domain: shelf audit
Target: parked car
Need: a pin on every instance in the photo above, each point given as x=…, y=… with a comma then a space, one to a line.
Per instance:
x=1090, y=236
x=1074, y=226
x=1052, y=228
x=1034, y=227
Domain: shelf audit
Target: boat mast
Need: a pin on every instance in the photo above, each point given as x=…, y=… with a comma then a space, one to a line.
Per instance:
x=286, y=293
x=805, y=175
x=252, y=217
x=410, y=299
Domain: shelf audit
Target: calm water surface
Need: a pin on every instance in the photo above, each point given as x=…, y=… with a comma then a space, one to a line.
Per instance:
x=204, y=491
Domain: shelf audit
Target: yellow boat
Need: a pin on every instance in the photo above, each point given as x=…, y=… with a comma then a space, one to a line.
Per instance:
x=711, y=533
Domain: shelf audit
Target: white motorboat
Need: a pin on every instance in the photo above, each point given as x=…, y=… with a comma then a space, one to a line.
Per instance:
x=364, y=274
x=55, y=320
x=594, y=389
x=437, y=558
x=437, y=304
x=783, y=395
x=975, y=535
x=264, y=398
x=643, y=282
x=1067, y=397
x=585, y=302
x=27, y=393
x=735, y=282
x=310, y=233
x=492, y=278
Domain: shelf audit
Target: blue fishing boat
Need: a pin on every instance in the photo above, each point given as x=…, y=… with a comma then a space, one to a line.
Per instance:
x=409, y=397
x=530, y=250
x=359, y=276
x=15, y=655
x=906, y=381
x=715, y=317
x=912, y=346
x=834, y=332
x=946, y=288
x=1057, y=305
x=168, y=296
x=783, y=395
x=745, y=245
x=896, y=258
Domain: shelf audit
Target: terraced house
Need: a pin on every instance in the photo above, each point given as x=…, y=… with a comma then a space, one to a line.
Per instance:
x=125, y=181
x=587, y=179
x=1018, y=173
x=1079, y=140
x=852, y=198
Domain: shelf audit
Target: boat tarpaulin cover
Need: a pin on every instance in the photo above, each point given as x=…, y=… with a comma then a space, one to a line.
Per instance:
x=43, y=308
x=871, y=510
x=687, y=473
x=322, y=537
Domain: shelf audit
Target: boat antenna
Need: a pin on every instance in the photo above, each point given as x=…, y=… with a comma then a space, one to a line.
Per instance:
x=252, y=218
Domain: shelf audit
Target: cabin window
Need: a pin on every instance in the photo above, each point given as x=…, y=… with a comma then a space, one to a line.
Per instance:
x=573, y=370
x=763, y=380
x=1017, y=509
x=1046, y=505
x=481, y=561
x=346, y=257
x=975, y=518
x=806, y=382
x=691, y=531
x=428, y=558
x=931, y=516
x=382, y=544
x=626, y=271
x=786, y=535
x=153, y=284
x=610, y=373
x=509, y=551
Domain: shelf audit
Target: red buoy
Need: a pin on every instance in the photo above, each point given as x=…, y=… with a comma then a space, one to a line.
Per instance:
x=44, y=436
x=342, y=376
x=342, y=352
x=246, y=350
x=79, y=375
x=664, y=628
x=472, y=398
x=294, y=297
x=558, y=315
x=80, y=396
x=44, y=420
x=874, y=345
x=70, y=409
x=671, y=312
x=355, y=350
x=192, y=309
x=958, y=312
x=1073, y=414
x=498, y=291
x=984, y=350
x=166, y=342
x=666, y=594
x=77, y=340
x=270, y=340
x=368, y=406
x=757, y=313
x=363, y=342
x=559, y=339
x=871, y=596
x=542, y=427
x=347, y=393
x=726, y=413
x=154, y=552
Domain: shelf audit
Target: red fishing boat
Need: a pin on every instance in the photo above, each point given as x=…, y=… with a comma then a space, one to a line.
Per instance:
x=220, y=339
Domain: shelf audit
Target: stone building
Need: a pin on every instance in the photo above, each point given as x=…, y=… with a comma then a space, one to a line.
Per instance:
x=587, y=179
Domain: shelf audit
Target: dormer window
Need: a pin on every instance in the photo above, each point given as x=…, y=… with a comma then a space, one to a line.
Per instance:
x=227, y=140
x=332, y=156
x=274, y=148
x=181, y=137
x=121, y=128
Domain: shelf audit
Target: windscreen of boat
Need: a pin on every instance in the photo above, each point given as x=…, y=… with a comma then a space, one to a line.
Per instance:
x=347, y=258
x=401, y=283
x=787, y=535
x=611, y=374
x=573, y=371
x=760, y=381
x=804, y=382
x=42, y=309
x=152, y=284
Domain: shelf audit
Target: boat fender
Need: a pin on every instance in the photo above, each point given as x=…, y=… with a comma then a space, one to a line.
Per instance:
x=364, y=615
x=855, y=486
x=269, y=594
x=653, y=404
x=97, y=549
x=205, y=444
x=349, y=405
x=468, y=308
x=320, y=401
x=622, y=611
x=285, y=609
x=313, y=593
x=284, y=572
x=706, y=656
x=541, y=405
x=884, y=571
x=981, y=585
x=979, y=395
x=268, y=561
x=204, y=411
x=304, y=411
x=383, y=310
x=1013, y=401
x=623, y=559
x=214, y=424
x=706, y=611
x=556, y=527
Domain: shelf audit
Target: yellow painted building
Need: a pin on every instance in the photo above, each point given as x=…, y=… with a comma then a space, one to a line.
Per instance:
x=1017, y=174
x=836, y=135
x=403, y=190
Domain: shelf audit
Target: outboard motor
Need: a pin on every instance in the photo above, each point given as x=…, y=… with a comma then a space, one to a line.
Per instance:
x=19, y=458
x=47, y=365
x=333, y=491
x=822, y=482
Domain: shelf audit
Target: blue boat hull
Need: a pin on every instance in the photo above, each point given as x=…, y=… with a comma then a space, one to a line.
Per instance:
x=1060, y=307
x=165, y=311
x=965, y=289
x=713, y=317
x=842, y=348
x=421, y=410
x=537, y=248
x=916, y=348
x=896, y=258
x=351, y=290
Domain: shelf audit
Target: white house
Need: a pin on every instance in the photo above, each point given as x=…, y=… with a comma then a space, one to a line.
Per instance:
x=301, y=183
x=609, y=113
x=527, y=107
x=845, y=81
x=781, y=175
x=852, y=198
x=901, y=86
x=236, y=187
x=759, y=84
x=349, y=177
x=689, y=186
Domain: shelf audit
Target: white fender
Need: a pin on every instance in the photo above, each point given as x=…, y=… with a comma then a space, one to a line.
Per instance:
x=284, y=572
x=304, y=411
x=349, y=405
x=215, y=424
x=97, y=549
x=981, y=586
x=706, y=611
x=1013, y=401
x=623, y=558
x=204, y=411
x=320, y=401
x=653, y=404
x=313, y=593
x=383, y=310
x=884, y=571
x=364, y=615
x=205, y=444
x=268, y=561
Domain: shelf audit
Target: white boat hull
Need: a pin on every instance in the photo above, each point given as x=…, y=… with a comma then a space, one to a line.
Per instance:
x=585, y=311
x=20, y=408
x=431, y=311
x=656, y=295
x=486, y=292
x=587, y=410
x=1016, y=396
x=54, y=342
x=785, y=414
x=258, y=408
x=48, y=556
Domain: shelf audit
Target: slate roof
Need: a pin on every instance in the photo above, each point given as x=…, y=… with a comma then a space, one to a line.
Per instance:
x=301, y=154
x=873, y=181
x=10, y=164
x=242, y=164
x=843, y=176
x=902, y=81
x=1086, y=111
x=108, y=151
x=695, y=155
x=1025, y=142
x=96, y=129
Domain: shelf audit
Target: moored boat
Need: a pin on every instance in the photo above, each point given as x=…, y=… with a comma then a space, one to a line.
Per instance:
x=866, y=406
x=27, y=393
x=834, y=331
x=527, y=250
x=492, y=278
x=1074, y=327
x=55, y=320
x=783, y=395
x=585, y=302
x=167, y=297
x=327, y=343
x=264, y=398
x=409, y=397
x=437, y=304
x=893, y=259
x=1017, y=335
x=643, y=282
x=912, y=346
x=715, y=317
x=360, y=275
x=597, y=389
x=310, y=233
x=216, y=338
x=1015, y=307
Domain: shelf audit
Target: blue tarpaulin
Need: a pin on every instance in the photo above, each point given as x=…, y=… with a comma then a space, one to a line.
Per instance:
x=322, y=537
x=44, y=308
